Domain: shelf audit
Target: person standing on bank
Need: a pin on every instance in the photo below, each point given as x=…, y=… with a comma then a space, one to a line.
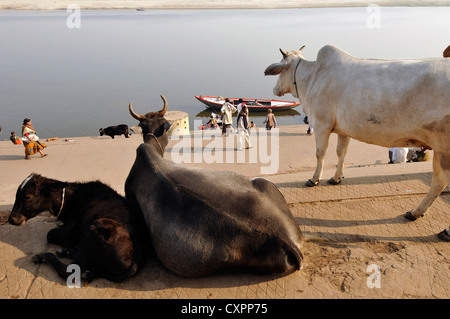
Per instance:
x=239, y=106
x=31, y=140
x=227, y=110
x=270, y=120
x=243, y=127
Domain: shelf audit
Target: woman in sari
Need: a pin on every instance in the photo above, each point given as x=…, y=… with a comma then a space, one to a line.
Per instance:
x=31, y=140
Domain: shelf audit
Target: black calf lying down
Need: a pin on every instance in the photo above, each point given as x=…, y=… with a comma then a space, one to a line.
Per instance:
x=115, y=130
x=101, y=232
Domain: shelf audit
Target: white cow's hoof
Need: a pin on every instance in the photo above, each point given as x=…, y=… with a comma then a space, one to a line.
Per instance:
x=444, y=235
x=310, y=183
x=331, y=181
x=410, y=216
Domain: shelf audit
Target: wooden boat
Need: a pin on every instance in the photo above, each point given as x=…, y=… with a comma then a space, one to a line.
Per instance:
x=215, y=103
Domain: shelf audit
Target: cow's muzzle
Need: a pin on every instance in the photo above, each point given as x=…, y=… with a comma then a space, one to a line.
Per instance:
x=17, y=220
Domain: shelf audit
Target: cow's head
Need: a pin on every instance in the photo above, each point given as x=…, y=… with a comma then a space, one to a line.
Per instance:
x=285, y=68
x=101, y=131
x=153, y=125
x=33, y=196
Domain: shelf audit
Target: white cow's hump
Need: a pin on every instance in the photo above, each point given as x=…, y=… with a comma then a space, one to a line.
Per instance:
x=331, y=54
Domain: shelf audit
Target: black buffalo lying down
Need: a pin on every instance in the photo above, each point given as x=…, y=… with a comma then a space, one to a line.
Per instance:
x=115, y=130
x=101, y=233
x=200, y=221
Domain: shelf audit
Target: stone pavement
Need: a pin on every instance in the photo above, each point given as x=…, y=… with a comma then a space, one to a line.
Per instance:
x=361, y=220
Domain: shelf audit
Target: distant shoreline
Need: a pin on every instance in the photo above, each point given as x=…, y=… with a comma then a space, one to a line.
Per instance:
x=204, y=4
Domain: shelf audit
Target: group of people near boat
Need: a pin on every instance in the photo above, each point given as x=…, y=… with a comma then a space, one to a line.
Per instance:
x=243, y=121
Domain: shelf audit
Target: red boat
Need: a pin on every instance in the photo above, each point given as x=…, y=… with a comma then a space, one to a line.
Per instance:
x=215, y=103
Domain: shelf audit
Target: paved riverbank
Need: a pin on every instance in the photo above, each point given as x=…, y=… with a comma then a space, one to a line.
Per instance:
x=362, y=219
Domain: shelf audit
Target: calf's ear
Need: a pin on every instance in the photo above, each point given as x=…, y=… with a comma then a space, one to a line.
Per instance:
x=275, y=68
x=47, y=188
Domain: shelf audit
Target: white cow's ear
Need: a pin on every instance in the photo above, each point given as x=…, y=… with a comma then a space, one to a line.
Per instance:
x=275, y=68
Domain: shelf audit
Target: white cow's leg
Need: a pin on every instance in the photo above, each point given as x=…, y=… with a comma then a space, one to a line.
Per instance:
x=322, y=138
x=445, y=166
x=341, y=150
x=438, y=183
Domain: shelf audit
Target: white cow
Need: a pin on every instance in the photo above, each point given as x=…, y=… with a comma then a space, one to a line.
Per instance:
x=391, y=103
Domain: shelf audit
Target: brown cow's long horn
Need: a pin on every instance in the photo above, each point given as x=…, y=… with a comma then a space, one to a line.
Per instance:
x=135, y=115
x=164, y=110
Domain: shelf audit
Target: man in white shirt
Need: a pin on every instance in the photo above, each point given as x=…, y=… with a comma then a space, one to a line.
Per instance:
x=227, y=110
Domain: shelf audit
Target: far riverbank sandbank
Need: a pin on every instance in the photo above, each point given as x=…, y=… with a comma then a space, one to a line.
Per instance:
x=202, y=4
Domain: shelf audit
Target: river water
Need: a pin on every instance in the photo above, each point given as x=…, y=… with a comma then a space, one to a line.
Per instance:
x=74, y=72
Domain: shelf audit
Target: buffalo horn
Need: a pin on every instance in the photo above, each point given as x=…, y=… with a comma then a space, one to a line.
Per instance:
x=134, y=114
x=164, y=109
